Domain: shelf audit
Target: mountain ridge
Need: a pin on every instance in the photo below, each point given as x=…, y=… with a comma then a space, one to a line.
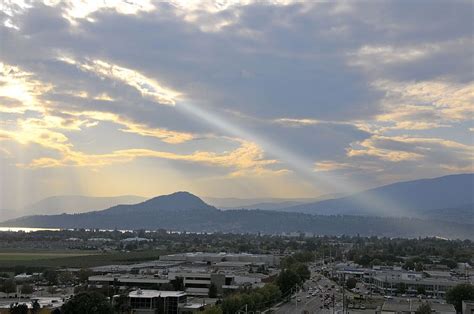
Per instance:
x=416, y=196
x=195, y=215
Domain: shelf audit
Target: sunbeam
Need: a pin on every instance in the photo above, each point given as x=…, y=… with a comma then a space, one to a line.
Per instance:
x=301, y=165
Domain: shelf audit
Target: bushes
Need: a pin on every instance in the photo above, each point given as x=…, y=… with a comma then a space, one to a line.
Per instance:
x=257, y=299
x=87, y=302
x=457, y=294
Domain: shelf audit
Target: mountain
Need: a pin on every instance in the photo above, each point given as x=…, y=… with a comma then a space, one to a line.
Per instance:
x=264, y=203
x=77, y=204
x=463, y=213
x=183, y=211
x=411, y=198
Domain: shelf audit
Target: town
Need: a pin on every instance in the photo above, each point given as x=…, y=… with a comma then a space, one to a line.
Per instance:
x=169, y=272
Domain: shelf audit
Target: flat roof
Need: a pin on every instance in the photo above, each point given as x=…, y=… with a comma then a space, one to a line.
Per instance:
x=403, y=305
x=129, y=279
x=155, y=294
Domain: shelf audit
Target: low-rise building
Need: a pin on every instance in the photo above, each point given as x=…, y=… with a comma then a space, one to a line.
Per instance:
x=410, y=306
x=138, y=281
x=467, y=307
x=211, y=258
x=156, y=301
x=391, y=282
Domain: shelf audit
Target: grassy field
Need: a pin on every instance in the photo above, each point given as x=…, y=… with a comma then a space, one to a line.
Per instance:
x=47, y=259
x=32, y=256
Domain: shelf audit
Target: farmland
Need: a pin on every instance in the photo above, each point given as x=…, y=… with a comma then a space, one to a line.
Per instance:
x=38, y=259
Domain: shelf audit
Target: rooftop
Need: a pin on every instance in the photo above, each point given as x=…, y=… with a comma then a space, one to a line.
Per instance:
x=155, y=294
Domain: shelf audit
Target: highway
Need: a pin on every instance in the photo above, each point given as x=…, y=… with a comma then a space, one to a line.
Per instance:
x=315, y=297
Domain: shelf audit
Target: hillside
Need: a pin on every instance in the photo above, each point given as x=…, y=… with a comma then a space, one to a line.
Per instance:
x=185, y=212
x=413, y=198
x=77, y=204
x=264, y=203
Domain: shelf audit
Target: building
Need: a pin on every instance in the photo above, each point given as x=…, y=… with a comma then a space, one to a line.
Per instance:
x=212, y=258
x=467, y=307
x=198, y=283
x=134, y=281
x=145, y=267
x=391, y=282
x=410, y=306
x=156, y=301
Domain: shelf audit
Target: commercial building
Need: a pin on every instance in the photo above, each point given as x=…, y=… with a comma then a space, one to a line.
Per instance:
x=133, y=281
x=198, y=283
x=410, y=307
x=211, y=258
x=468, y=307
x=391, y=282
x=395, y=280
x=156, y=301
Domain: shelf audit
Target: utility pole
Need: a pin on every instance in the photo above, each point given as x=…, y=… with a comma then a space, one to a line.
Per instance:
x=333, y=302
x=343, y=293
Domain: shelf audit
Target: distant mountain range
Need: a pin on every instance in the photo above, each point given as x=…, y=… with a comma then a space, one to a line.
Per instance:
x=439, y=207
x=413, y=198
x=183, y=211
x=78, y=203
x=69, y=204
x=263, y=203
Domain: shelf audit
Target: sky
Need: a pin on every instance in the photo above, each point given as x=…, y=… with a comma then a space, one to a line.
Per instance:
x=232, y=98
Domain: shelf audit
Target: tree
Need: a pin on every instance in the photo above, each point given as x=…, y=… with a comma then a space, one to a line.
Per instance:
x=421, y=290
x=424, y=308
x=302, y=271
x=51, y=276
x=457, y=294
x=65, y=277
x=35, y=307
x=212, y=310
x=9, y=286
x=410, y=264
x=121, y=304
x=87, y=302
x=17, y=308
x=402, y=288
x=232, y=304
x=212, y=291
x=83, y=274
x=351, y=283
x=26, y=289
x=449, y=263
x=287, y=280
x=419, y=267
x=178, y=283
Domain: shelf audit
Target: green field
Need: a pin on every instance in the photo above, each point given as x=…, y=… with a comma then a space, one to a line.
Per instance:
x=33, y=256
x=38, y=259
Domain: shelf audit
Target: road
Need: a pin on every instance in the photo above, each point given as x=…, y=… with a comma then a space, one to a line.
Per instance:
x=315, y=297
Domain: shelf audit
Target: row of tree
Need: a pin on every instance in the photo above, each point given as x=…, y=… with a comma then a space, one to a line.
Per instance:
x=254, y=300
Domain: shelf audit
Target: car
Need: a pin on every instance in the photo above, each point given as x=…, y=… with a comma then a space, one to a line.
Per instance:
x=298, y=300
x=308, y=296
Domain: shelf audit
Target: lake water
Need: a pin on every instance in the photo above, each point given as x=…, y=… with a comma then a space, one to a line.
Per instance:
x=25, y=229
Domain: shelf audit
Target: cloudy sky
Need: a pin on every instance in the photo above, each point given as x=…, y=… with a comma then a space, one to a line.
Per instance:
x=231, y=98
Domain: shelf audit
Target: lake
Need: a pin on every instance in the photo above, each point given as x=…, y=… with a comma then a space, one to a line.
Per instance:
x=26, y=229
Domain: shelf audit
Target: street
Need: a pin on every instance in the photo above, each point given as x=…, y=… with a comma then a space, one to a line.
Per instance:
x=316, y=296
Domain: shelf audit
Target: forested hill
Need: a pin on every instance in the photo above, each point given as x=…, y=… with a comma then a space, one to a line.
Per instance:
x=185, y=212
x=414, y=198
